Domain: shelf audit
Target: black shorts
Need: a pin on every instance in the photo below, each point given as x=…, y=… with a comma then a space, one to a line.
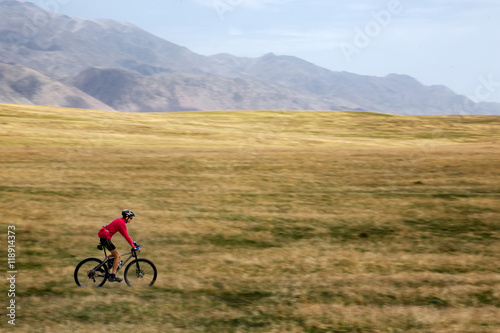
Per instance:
x=108, y=244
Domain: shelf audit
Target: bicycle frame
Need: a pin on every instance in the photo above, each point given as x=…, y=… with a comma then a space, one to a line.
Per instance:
x=133, y=254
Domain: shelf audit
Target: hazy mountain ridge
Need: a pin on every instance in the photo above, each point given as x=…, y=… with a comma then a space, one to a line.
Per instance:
x=21, y=85
x=122, y=67
x=126, y=90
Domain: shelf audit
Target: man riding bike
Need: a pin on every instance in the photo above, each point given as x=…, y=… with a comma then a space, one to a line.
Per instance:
x=105, y=234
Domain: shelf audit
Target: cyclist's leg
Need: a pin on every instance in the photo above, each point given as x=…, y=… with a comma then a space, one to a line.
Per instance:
x=114, y=252
x=117, y=259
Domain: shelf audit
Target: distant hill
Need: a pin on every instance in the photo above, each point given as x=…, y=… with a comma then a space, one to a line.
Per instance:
x=106, y=64
x=130, y=91
x=21, y=85
x=60, y=45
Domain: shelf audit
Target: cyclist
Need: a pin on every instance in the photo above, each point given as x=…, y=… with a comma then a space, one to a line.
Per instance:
x=105, y=234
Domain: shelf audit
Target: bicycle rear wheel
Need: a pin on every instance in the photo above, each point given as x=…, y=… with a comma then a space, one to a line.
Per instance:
x=140, y=273
x=86, y=276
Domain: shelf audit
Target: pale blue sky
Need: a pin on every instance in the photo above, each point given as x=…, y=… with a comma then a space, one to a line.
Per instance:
x=450, y=42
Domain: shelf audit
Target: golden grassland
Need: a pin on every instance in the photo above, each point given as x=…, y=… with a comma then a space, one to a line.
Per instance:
x=257, y=221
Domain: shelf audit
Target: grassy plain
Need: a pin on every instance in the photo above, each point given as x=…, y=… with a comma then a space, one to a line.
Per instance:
x=257, y=221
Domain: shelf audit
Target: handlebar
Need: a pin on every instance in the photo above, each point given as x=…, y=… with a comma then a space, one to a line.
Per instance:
x=136, y=247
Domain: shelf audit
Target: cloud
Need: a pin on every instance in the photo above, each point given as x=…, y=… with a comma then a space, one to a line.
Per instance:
x=247, y=4
x=439, y=9
x=314, y=35
x=234, y=32
x=263, y=4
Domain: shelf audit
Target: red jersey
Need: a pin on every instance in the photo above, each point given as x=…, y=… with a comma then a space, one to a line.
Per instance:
x=117, y=225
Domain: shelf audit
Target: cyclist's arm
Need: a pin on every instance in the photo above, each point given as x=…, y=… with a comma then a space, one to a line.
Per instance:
x=125, y=235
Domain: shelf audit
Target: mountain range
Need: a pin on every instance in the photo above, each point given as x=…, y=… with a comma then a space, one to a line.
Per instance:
x=51, y=59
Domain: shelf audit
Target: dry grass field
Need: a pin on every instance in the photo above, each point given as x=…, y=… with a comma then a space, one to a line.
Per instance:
x=257, y=221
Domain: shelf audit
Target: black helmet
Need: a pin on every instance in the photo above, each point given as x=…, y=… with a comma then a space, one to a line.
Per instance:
x=127, y=213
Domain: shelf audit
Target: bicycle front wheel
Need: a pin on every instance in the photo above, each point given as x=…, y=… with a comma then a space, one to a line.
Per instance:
x=87, y=276
x=140, y=273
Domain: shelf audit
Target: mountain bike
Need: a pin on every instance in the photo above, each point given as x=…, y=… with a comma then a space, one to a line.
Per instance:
x=93, y=272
